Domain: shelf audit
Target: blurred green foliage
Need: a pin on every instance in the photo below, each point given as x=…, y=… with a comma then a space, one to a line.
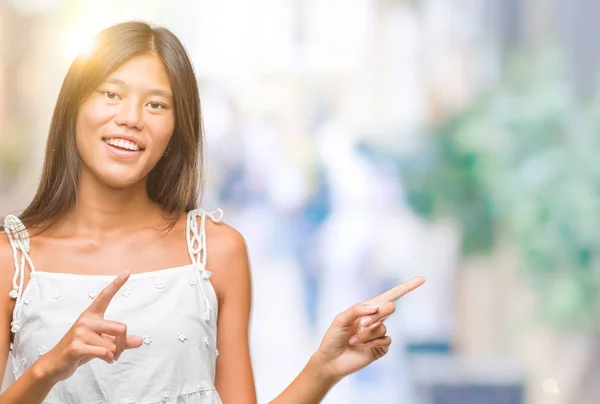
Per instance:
x=522, y=165
x=12, y=153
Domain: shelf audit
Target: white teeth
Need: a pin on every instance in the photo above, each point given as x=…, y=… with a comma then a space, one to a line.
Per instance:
x=122, y=143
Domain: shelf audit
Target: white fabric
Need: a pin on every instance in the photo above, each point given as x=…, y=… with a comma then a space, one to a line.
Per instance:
x=174, y=310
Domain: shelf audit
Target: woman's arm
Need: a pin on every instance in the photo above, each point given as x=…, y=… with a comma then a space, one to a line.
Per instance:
x=90, y=337
x=77, y=347
x=228, y=260
x=310, y=386
x=356, y=338
x=31, y=387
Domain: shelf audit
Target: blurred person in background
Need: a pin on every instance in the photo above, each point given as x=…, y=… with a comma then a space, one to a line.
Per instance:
x=119, y=191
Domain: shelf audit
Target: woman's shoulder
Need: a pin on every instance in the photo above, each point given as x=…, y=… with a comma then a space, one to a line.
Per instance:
x=6, y=253
x=224, y=241
x=4, y=243
x=227, y=258
x=7, y=271
x=7, y=265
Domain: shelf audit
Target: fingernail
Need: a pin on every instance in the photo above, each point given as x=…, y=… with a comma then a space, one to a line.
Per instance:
x=353, y=341
x=366, y=321
x=124, y=274
x=371, y=307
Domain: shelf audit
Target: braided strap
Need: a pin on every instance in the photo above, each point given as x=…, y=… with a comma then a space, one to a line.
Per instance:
x=20, y=242
x=196, y=240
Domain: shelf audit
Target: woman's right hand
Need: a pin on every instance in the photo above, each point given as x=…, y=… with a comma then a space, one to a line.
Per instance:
x=91, y=336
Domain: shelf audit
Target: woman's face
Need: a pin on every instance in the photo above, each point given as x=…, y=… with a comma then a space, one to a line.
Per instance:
x=123, y=129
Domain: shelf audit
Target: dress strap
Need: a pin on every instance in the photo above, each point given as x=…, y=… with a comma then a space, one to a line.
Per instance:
x=20, y=242
x=196, y=237
x=196, y=241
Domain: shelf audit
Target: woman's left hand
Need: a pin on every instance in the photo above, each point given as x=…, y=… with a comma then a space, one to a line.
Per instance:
x=357, y=336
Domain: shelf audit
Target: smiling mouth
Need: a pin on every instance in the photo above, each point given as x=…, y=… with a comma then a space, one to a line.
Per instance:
x=122, y=144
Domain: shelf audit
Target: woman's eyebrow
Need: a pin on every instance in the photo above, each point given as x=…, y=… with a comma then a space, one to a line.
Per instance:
x=153, y=91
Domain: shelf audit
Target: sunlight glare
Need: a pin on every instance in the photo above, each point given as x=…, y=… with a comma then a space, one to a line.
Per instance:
x=79, y=40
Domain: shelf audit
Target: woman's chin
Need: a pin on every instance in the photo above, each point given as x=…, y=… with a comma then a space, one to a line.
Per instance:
x=121, y=181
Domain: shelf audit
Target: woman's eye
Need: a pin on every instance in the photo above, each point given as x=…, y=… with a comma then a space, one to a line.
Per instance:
x=111, y=95
x=156, y=105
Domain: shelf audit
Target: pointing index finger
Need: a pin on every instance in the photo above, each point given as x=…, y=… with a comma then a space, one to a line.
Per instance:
x=101, y=302
x=398, y=291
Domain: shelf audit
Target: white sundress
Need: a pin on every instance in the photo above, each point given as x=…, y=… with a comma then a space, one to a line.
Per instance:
x=174, y=310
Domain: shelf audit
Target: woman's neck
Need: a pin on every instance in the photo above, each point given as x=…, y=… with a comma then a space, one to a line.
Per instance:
x=101, y=209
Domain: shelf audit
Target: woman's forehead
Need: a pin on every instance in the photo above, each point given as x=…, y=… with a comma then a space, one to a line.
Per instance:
x=144, y=73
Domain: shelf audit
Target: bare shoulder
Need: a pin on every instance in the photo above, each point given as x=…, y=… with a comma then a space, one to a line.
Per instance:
x=225, y=244
x=6, y=258
x=227, y=259
x=7, y=269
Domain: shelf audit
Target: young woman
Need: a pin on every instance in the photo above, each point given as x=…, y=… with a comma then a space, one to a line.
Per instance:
x=118, y=195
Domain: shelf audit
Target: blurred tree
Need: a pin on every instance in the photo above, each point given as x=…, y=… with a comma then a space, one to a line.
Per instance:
x=521, y=165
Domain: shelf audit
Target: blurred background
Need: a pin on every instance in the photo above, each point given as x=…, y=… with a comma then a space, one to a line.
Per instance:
x=359, y=143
